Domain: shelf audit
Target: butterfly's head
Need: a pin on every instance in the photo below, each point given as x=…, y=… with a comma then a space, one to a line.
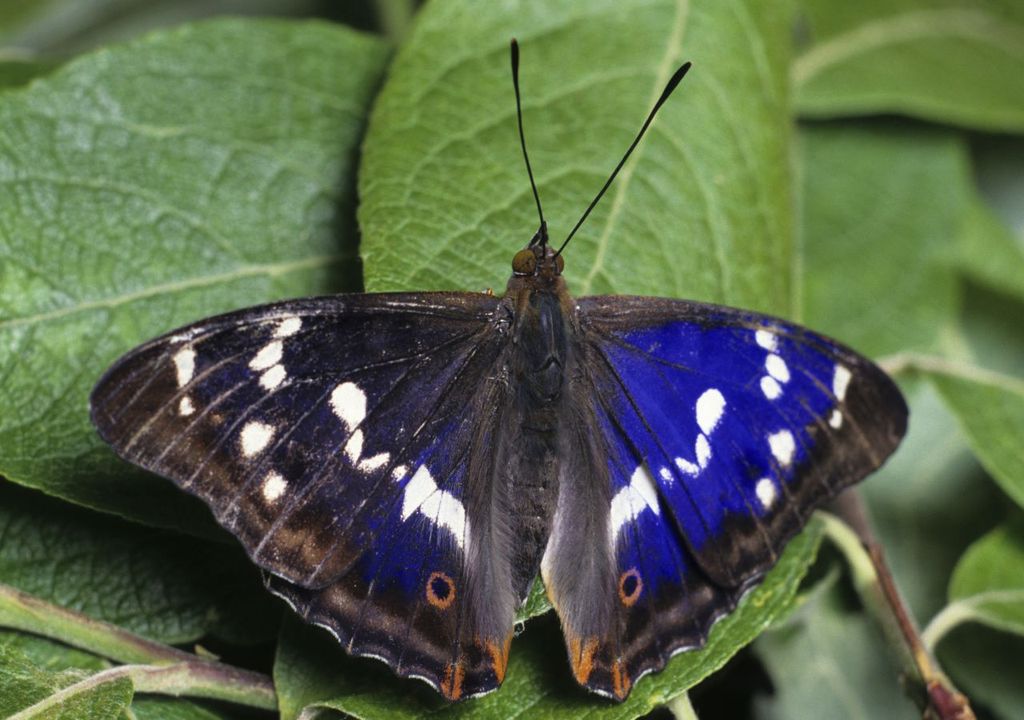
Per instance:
x=538, y=260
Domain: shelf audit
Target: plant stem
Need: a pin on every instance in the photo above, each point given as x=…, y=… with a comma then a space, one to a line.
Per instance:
x=682, y=709
x=877, y=588
x=153, y=667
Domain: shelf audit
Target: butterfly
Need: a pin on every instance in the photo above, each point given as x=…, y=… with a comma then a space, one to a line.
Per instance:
x=403, y=465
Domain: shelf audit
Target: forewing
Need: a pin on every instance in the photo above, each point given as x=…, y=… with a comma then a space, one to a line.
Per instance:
x=747, y=422
x=717, y=432
x=331, y=436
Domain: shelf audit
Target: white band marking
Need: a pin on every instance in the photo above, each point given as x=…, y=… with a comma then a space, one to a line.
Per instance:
x=439, y=506
x=185, y=365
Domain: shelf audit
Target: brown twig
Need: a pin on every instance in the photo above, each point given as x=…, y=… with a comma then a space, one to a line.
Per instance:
x=938, y=699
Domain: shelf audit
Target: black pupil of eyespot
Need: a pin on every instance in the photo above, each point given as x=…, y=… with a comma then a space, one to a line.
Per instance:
x=440, y=588
x=629, y=585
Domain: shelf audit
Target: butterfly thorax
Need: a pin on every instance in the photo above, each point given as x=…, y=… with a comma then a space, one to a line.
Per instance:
x=538, y=360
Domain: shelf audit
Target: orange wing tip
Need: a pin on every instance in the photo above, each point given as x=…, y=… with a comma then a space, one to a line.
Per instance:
x=499, y=656
x=621, y=683
x=451, y=685
x=581, y=656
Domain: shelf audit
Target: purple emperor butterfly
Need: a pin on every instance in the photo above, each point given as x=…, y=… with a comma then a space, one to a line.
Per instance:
x=403, y=465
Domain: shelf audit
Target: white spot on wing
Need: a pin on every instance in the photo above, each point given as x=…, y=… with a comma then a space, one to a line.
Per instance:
x=766, y=339
x=777, y=368
x=765, y=490
x=783, y=446
x=399, y=472
x=254, y=437
x=376, y=462
x=184, y=365
x=710, y=406
x=632, y=500
x=441, y=507
x=840, y=381
x=666, y=474
x=185, y=406
x=288, y=326
x=703, y=449
x=273, y=377
x=686, y=466
x=417, y=490
x=354, y=447
x=836, y=419
x=268, y=356
x=770, y=387
x=273, y=487
x=349, y=403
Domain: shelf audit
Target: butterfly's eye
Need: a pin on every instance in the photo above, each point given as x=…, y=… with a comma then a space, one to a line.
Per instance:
x=559, y=263
x=524, y=262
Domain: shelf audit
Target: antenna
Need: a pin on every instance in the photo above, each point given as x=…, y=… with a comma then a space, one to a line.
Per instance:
x=669, y=87
x=542, y=233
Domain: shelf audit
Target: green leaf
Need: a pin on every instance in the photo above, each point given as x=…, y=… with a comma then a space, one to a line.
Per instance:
x=166, y=587
x=312, y=670
x=881, y=212
x=187, y=173
x=36, y=694
x=990, y=253
x=987, y=586
x=830, y=657
x=990, y=408
x=14, y=73
x=536, y=604
x=703, y=209
x=50, y=655
x=950, y=61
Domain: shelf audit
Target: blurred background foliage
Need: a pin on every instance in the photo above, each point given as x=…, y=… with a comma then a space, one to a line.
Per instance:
x=859, y=165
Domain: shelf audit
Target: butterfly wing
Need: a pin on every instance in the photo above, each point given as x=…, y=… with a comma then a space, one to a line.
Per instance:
x=331, y=436
x=720, y=431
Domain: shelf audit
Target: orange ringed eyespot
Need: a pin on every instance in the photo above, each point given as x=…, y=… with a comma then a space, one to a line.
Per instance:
x=630, y=587
x=440, y=590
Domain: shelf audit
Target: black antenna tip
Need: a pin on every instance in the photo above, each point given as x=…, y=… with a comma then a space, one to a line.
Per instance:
x=515, y=55
x=676, y=78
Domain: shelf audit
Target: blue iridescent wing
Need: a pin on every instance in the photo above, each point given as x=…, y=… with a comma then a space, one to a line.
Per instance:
x=720, y=431
x=330, y=435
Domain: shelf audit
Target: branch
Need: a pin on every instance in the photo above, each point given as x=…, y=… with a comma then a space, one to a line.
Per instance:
x=154, y=667
x=877, y=588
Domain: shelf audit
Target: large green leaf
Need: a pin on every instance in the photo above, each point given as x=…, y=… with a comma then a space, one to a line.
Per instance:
x=953, y=61
x=703, y=209
x=311, y=669
x=147, y=185
x=163, y=586
x=882, y=208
